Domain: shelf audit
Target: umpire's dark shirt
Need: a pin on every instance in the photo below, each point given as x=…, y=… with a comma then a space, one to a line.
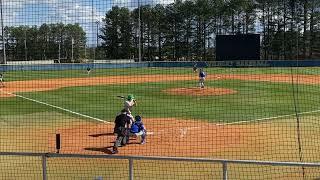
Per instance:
x=121, y=121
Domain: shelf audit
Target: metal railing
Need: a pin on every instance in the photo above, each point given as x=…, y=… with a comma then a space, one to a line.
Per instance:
x=131, y=159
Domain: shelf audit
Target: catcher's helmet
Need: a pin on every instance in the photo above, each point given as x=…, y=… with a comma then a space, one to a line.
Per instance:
x=137, y=118
x=130, y=97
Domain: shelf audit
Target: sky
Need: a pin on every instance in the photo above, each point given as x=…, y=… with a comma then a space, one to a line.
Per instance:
x=84, y=12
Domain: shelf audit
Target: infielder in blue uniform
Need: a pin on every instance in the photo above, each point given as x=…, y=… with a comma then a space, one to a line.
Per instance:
x=202, y=77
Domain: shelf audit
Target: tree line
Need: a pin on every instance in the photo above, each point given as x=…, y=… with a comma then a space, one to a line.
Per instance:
x=49, y=41
x=186, y=30
x=183, y=30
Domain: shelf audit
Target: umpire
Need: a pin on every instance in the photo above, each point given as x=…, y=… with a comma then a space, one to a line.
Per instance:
x=122, y=124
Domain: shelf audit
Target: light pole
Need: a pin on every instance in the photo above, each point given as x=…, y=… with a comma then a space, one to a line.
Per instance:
x=72, y=42
x=46, y=47
x=2, y=31
x=92, y=28
x=97, y=23
x=25, y=44
x=59, y=58
x=139, y=24
x=85, y=51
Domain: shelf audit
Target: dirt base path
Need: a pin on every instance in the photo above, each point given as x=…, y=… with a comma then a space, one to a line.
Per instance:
x=51, y=84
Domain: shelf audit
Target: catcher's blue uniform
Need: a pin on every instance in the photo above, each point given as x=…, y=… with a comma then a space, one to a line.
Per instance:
x=138, y=129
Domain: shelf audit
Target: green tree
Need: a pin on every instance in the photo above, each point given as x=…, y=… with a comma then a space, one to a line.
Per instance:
x=314, y=34
x=74, y=42
x=204, y=15
x=117, y=33
x=44, y=31
x=33, y=43
x=188, y=33
x=159, y=27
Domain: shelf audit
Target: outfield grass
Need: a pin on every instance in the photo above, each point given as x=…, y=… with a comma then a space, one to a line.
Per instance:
x=253, y=100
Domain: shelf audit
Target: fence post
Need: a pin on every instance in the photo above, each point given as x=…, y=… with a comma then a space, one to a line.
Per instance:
x=44, y=167
x=130, y=169
x=225, y=170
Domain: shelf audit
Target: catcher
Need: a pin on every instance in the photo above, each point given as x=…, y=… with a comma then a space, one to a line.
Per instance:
x=122, y=124
x=138, y=129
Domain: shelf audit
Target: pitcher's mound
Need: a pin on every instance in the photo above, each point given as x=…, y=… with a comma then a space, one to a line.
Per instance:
x=200, y=91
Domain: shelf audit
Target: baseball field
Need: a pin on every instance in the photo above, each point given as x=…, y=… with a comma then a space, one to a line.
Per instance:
x=269, y=114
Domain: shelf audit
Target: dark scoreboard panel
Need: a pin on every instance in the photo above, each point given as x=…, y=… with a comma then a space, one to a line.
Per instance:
x=238, y=47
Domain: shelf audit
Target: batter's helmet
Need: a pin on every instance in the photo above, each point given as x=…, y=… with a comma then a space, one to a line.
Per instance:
x=130, y=97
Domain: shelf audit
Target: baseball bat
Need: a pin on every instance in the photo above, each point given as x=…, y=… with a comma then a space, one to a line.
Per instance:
x=122, y=97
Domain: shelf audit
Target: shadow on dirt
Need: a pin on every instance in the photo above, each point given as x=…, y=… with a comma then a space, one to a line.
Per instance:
x=101, y=134
x=106, y=150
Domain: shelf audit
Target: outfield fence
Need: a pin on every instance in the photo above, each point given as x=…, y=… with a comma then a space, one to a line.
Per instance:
x=163, y=64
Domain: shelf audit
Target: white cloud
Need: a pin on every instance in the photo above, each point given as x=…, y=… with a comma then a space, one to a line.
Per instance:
x=134, y=3
x=37, y=12
x=20, y=12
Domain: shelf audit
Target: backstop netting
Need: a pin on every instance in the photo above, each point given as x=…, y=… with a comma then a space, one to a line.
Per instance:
x=69, y=68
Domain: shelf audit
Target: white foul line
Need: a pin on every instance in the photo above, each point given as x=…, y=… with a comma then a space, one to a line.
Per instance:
x=183, y=131
x=57, y=107
x=268, y=118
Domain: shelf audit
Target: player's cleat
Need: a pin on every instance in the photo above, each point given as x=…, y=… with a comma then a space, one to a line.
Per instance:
x=143, y=142
x=114, y=151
